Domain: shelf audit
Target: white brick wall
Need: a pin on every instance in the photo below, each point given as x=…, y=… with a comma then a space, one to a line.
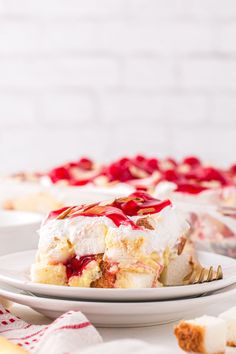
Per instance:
x=113, y=77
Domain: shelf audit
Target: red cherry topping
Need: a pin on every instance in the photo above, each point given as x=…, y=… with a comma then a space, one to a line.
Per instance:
x=119, y=211
x=113, y=213
x=76, y=266
x=212, y=174
x=153, y=164
x=233, y=169
x=110, y=211
x=119, y=171
x=59, y=173
x=139, y=158
x=72, y=164
x=141, y=188
x=138, y=169
x=192, y=161
x=85, y=163
x=55, y=213
x=80, y=182
x=170, y=175
x=190, y=188
x=172, y=161
x=142, y=195
x=140, y=203
x=124, y=161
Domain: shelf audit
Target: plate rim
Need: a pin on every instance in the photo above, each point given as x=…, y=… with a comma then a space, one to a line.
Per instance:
x=38, y=299
x=36, y=287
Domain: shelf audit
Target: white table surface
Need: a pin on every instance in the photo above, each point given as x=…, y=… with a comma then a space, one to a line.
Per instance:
x=161, y=334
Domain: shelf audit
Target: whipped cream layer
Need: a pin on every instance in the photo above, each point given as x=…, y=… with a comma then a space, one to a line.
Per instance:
x=85, y=235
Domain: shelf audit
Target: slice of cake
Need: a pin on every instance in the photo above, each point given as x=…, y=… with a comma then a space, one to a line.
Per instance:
x=125, y=243
x=206, y=335
x=230, y=317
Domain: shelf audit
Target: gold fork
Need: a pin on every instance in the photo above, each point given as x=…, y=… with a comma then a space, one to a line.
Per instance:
x=200, y=275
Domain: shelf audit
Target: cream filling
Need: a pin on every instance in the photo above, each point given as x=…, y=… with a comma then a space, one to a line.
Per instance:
x=80, y=236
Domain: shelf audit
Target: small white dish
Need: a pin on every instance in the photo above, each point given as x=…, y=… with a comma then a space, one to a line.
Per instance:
x=14, y=271
x=120, y=314
x=18, y=231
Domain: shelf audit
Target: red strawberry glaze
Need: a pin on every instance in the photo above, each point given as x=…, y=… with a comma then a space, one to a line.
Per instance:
x=190, y=188
x=142, y=195
x=64, y=172
x=141, y=203
x=139, y=158
x=233, y=169
x=119, y=171
x=192, y=161
x=81, y=182
x=212, y=174
x=122, y=169
x=141, y=188
x=55, y=213
x=119, y=211
x=149, y=165
x=76, y=266
x=152, y=165
x=111, y=212
x=85, y=163
x=135, y=169
x=171, y=161
x=59, y=173
x=170, y=175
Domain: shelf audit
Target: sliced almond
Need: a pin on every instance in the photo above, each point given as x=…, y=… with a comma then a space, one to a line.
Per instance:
x=96, y=209
x=146, y=211
x=128, y=199
x=145, y=223
x=138, y=172
x=64, y=213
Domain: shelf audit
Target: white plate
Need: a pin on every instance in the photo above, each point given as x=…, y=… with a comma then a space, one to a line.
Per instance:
x=121, y=314
x=14, y=270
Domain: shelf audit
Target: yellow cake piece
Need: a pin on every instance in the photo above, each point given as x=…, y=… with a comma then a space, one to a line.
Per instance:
x=6, y=347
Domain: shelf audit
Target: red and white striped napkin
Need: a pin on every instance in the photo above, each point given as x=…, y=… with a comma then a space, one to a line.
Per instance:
x=71, y=333
x=67, y=334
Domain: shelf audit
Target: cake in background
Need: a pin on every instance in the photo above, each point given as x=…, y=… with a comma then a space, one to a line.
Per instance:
x=189, y=177
x=207, y=193
x=188, y=180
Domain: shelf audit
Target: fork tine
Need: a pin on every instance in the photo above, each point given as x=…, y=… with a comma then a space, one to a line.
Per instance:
x=210, y=274
x=219, y=272
x=200, y=275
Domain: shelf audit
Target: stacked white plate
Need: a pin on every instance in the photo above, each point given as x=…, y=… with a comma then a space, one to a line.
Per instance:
x=116, y=307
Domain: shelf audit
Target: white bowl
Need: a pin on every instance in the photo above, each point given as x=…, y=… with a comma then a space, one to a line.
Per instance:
x=18, y=231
